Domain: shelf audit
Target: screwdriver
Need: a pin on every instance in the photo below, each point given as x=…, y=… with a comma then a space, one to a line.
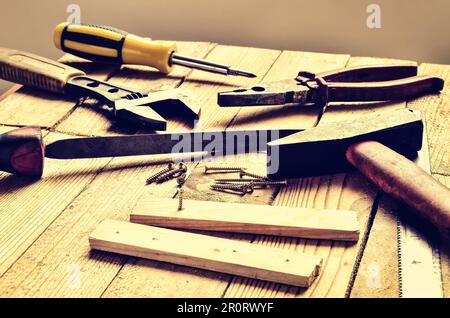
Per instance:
x=107, y=44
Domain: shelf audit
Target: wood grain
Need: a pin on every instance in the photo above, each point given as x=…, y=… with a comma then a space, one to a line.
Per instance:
x=436, y=111
x=29, y=206
x=247, y=218
x=211, y=253
x=445, y=247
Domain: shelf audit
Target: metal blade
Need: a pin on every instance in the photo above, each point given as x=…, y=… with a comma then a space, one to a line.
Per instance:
x=271, y=93
x=224, y=142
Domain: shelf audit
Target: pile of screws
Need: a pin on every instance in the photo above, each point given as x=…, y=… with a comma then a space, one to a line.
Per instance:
x=168, y=173
x=246, y=183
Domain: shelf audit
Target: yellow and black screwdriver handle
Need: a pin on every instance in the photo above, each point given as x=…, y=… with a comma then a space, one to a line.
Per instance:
x=107, y=44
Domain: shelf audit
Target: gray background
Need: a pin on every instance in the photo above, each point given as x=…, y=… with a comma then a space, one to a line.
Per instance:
x=410, y=29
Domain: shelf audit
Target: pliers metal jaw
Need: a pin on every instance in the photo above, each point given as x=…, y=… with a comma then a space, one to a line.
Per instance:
x=357, y=84
x=137, y=109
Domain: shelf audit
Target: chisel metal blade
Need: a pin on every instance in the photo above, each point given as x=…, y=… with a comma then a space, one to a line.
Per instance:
x=226, y=142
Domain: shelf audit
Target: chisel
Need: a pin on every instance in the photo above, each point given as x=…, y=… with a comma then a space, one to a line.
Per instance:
x=107, y=44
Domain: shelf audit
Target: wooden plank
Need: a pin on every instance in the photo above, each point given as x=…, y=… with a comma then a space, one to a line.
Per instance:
x=247, y=218
x=342, y=191
x=436, y=111
x=29, y=106
x=206, y=252
x=445, y=247
x=377, y=274
x=29, y=206
x=63, y=250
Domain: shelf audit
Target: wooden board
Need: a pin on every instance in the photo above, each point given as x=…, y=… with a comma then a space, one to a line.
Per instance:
x=247, y=218
x=211, y=253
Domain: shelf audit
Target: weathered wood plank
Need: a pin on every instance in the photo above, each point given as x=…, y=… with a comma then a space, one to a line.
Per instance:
x=29, y=206
x=206, y=252
x=445, y=247
x=257, y=219
x=436, y=111
x=63, y=248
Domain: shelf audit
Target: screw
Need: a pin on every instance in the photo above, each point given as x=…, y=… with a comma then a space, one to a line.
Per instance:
x=242, y=188
x=223, y=168
x=253, y=175
x=270, y=182
x=180, y=199
x=156, y=175
x=172, y=174
x=238, y=180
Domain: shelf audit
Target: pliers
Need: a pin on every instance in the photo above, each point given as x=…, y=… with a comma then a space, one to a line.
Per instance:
x=356, y=84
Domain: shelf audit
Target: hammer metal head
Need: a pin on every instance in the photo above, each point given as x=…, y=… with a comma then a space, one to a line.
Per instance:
x=321, y=150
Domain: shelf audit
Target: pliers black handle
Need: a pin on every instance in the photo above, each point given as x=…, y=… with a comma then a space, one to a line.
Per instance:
x=368, y=83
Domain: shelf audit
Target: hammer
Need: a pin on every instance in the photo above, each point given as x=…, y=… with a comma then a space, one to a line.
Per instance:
x=381, y=146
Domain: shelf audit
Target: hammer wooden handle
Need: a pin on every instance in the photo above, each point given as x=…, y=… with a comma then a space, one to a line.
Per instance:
x=404, y=180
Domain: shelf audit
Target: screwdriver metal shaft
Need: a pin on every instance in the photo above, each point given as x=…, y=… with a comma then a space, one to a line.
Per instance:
x=208, y=66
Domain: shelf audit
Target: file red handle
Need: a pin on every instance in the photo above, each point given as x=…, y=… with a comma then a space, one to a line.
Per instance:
x=22, y=152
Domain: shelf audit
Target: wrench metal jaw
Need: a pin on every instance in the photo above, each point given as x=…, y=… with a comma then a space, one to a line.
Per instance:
x=136, y=108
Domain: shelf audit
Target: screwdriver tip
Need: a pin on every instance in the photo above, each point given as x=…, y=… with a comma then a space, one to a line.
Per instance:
x=240, y=73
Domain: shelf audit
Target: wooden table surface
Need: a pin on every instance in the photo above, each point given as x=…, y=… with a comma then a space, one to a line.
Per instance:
x=45, y=224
